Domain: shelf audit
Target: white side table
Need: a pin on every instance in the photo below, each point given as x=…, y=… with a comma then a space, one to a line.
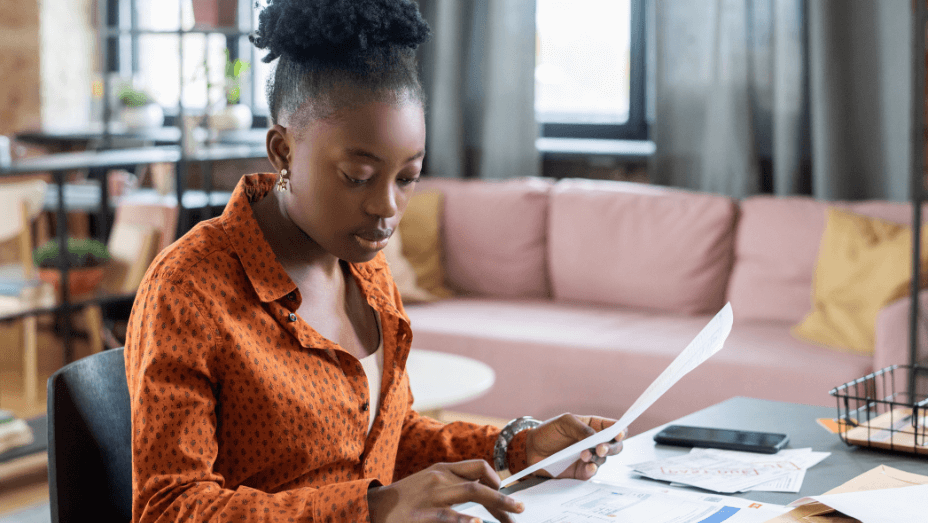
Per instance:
x=439, y=380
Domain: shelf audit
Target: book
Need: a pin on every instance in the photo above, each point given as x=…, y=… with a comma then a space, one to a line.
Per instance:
x=15, y=433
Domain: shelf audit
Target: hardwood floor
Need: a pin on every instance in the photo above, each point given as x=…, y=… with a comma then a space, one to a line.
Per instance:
x=26, y=483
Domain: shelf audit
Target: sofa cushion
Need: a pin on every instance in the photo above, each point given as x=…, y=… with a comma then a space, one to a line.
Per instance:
x=421, y=244
x=494, y=237
x=776, y=248
x=636, y=245
x=864, y=264
x=553, y=357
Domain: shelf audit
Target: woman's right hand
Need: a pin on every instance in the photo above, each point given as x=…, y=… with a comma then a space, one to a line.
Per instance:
x=429, y=494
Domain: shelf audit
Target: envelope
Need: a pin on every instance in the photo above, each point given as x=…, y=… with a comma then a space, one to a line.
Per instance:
x=881, y=477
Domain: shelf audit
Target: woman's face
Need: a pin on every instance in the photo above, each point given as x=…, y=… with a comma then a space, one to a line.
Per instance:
x=351, y=176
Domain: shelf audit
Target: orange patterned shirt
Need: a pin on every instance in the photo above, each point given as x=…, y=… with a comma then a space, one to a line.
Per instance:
x=238, y=413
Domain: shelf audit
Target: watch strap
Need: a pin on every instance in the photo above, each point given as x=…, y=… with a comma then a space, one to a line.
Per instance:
x=500, y=450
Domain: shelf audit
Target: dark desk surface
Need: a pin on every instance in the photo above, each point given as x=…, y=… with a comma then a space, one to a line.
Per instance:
x=796, y=420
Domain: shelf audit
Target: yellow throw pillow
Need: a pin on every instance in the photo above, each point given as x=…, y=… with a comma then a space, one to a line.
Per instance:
x=403, y=274
x=420, y=229
x=864, y=264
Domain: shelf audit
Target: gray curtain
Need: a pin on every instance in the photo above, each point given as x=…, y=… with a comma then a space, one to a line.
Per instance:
x=479, y=74
x=782, y=96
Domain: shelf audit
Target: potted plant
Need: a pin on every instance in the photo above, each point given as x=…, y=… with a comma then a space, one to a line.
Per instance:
x=234, y=115
x=86, y=259
x=138, y=110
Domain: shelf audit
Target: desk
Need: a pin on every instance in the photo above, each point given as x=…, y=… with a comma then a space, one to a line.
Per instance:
x=798, y=421
x=439, y=380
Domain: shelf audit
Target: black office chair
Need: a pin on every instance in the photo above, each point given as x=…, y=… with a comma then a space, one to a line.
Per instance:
x=89, y=440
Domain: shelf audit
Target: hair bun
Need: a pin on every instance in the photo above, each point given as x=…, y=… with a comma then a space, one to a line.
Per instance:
x=341, y=33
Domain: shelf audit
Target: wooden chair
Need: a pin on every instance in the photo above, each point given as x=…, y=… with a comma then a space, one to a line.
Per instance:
x=27, y=198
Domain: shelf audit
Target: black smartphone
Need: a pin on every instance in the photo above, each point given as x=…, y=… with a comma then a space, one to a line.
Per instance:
x=749, y=441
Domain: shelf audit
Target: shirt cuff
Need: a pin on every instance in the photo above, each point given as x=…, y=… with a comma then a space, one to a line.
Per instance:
x=343, y=502
x=516, y=456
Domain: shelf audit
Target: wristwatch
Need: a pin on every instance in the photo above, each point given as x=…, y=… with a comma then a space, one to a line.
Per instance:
x=505, y=436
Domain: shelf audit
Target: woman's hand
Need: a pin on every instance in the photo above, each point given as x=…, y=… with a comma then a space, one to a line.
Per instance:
x=563, y=431
x=428, y=495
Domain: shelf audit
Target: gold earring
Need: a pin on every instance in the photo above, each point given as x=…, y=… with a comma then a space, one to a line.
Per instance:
x=282, y=180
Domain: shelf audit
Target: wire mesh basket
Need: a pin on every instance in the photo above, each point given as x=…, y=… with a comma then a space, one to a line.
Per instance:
x=886, y=409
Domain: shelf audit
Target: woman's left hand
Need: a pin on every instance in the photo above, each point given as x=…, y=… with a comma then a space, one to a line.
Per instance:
x=559, y=433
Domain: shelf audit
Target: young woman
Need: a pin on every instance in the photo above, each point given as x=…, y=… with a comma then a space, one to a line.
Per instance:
x=267, y=347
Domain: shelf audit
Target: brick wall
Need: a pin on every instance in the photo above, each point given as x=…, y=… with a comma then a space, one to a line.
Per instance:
x=20, y=83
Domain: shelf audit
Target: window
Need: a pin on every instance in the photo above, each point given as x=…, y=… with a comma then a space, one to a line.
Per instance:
x=589, y=74
x=146, y=49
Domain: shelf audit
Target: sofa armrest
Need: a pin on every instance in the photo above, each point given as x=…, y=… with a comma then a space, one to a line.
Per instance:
x=892, y=332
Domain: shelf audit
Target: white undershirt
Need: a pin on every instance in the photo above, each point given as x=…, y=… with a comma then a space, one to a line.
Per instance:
x=373, y=368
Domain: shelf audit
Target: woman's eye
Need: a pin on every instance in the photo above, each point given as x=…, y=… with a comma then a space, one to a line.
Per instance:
x=355, y=181
x=408, y=181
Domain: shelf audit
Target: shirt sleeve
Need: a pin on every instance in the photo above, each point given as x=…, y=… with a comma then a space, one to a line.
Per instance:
x=173, y=391
x=425, y=441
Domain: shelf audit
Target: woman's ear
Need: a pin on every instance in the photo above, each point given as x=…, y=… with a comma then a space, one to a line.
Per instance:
x=278, y=147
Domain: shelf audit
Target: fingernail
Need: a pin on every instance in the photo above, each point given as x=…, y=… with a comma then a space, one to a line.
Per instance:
x=476, y=520
x=519, y=506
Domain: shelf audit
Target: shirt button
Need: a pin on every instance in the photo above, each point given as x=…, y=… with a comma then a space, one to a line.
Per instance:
x=365, y=406
x=291, y=296
x=292, y=317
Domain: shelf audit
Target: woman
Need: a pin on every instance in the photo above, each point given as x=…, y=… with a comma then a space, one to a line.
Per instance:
x=267, y=347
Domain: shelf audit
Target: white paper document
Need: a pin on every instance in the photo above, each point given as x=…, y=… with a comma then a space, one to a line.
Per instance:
x=705, y=344
x=729, y=471
x=574, y=501
x=890, y=505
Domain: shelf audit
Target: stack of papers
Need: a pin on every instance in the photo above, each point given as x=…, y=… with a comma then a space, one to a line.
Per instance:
x=728, y=471
x=574, y=501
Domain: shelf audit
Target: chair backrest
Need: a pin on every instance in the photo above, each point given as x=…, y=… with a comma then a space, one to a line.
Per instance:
x=160, y=216
x=12, y=195
x=22, y=201
x=89, y=440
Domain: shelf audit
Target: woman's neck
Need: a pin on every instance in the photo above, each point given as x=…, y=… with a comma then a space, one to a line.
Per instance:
x=300, y=255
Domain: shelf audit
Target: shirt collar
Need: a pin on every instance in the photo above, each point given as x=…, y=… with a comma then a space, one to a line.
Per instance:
x=266, y=274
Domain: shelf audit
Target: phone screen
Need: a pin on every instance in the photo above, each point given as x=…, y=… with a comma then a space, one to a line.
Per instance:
x=766, y=442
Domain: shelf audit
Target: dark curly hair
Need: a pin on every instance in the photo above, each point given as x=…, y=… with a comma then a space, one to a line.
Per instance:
x=329, y=52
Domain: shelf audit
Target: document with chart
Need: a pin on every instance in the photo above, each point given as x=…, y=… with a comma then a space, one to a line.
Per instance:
x=709, y=341
x=574, y=501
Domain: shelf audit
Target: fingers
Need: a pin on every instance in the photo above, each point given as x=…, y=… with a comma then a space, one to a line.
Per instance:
x=576, y=427
x=493, y=500
x=475, y=470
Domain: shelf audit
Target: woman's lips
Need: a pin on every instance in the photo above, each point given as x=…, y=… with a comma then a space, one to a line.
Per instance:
x=373, y=241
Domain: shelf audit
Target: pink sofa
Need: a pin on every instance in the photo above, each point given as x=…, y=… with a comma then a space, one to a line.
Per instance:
x=579, y=293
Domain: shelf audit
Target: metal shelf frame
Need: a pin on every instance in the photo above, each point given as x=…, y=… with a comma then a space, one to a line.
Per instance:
x=917, y=180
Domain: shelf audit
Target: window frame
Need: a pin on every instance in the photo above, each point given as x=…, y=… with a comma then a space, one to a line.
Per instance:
x=122, y=50
x=636, y=127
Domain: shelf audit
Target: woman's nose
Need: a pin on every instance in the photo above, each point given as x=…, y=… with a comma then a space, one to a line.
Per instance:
x=382, y=203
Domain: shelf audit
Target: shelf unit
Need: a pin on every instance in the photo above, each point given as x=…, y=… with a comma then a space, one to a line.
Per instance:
x=125, y=21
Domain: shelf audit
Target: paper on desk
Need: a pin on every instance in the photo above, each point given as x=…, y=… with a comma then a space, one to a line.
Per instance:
x=567, y=500
x=709, y=341
x=881, y=477
x=880, y=506
x=794, y=461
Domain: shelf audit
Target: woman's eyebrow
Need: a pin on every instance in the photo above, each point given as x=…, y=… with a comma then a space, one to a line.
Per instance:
x=371, y=156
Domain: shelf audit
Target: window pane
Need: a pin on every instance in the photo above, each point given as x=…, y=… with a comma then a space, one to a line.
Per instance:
x=582, y=61
x=163, y=15
x=159, y=68
x=261, y=70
